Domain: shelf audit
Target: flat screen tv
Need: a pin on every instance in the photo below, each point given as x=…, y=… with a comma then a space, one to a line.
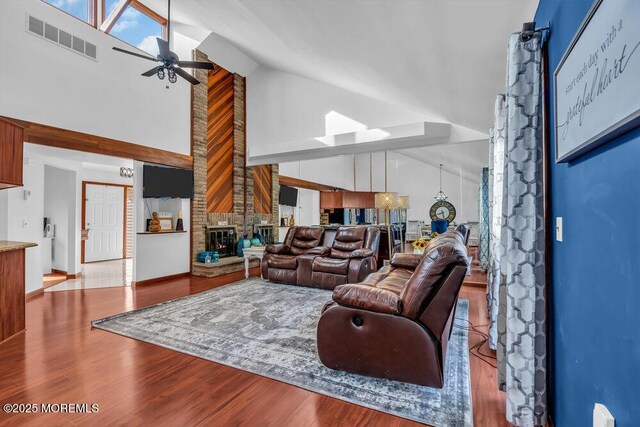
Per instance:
x=288, y=196
x=161, y=182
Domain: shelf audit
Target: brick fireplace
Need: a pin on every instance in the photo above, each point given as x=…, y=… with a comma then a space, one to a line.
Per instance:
x=226, y=198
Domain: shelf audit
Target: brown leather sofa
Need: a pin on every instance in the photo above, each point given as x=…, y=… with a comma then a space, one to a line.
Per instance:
x=302, y=260
x=352, y=257
x=291, y=261
x=396, y=323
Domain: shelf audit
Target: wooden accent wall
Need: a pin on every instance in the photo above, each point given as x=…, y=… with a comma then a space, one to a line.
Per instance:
x=11, y=142
x=262, y=189
x=220, y=141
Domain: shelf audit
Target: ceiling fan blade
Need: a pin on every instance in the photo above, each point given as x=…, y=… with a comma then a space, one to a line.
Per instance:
x=195, y=64
x=163, y=48
x=152, y=72
x=188, y=77
x=135, y=54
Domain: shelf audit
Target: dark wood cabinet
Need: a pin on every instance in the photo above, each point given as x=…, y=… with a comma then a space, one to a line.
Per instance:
x=12, y=312
x=11, y=142
x=347, y=200
x=331, y=199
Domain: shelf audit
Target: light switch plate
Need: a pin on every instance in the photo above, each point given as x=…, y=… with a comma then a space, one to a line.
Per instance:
x=559, y=229
x=602, y=417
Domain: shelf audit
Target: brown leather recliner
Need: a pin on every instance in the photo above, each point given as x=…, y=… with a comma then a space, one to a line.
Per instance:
x=353, y=256
x=397, y=322
x=290, y=262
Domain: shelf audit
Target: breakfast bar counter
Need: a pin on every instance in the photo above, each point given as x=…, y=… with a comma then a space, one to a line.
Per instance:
x=12, y=288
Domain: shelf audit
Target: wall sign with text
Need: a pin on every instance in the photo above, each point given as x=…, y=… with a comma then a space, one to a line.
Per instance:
x=597, y=84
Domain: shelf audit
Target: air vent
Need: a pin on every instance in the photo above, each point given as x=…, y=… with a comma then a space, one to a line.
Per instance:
x=51, y=33
x=36, y=26
x=60, y=37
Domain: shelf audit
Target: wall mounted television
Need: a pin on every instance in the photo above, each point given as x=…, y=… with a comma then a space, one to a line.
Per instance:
x=163, y=182
x=288, y=196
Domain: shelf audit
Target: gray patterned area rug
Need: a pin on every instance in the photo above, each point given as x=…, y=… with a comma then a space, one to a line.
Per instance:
x=270, y=330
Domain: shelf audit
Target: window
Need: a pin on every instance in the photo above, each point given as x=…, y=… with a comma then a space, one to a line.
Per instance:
x=138, y=29
x=137, y=24
x=81, y=9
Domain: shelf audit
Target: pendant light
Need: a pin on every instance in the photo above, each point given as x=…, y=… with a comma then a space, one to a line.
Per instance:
x=441, y=196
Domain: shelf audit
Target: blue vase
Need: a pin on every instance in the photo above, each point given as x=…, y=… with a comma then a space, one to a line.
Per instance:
x=240, y=247
x=255, y=241
x=246, y=242
x=216, y=256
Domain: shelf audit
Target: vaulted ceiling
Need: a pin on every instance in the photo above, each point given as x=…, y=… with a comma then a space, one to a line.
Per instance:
x=445, y=58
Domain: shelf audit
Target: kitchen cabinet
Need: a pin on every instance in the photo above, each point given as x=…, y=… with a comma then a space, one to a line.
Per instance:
x=12, y=288
x=347, y=200
x=11, y=142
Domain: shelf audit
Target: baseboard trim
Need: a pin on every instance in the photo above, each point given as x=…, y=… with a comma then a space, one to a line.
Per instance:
x=64, y=273
x=31, y=295
x=160, y=279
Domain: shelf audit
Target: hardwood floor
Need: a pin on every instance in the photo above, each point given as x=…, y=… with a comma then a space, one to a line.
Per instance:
x=60, y=359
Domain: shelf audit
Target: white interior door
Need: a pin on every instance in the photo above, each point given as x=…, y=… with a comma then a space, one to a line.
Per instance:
x=104, y=216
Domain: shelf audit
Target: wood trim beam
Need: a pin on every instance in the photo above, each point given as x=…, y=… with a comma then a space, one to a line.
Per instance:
x=36, y=133
x=117, y=12
x=310, y=185
x=149, y=12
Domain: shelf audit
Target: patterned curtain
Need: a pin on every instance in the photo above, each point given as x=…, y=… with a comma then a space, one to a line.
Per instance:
x=516, y=280
x=497, y=139
x=483, y=220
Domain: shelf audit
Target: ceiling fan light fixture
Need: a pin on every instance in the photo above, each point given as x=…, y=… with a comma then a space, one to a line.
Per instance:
x=172, y=75
x=161, y=73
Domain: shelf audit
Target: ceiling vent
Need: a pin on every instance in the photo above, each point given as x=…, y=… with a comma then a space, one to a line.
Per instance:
x=60, y=37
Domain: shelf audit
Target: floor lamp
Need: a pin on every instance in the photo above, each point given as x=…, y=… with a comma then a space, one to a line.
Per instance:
x=387, y=201
x=403, y=205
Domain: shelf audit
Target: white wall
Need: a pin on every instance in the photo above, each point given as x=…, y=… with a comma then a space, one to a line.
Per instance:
x=158, y=255
x=226, y=55
x=24, y=220
x=284, y=107
x=407, y=176
x=46, y=83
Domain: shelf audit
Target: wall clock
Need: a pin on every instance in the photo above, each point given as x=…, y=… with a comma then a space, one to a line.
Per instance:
x=442, y=210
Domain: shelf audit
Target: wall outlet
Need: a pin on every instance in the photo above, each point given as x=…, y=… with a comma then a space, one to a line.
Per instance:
x=602, y=417
x=559, y=229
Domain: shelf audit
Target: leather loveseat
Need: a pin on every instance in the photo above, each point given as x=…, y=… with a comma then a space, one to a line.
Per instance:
x=396, y=323
x=302, y=260
x=352, y=257
x=291, y=261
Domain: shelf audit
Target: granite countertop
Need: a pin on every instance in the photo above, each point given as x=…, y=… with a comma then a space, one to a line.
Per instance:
x=6, y=246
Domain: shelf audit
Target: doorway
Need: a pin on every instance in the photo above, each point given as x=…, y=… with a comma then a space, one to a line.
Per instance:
x=107, y=218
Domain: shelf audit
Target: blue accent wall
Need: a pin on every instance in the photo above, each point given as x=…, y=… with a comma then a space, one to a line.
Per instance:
x=595, y=289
